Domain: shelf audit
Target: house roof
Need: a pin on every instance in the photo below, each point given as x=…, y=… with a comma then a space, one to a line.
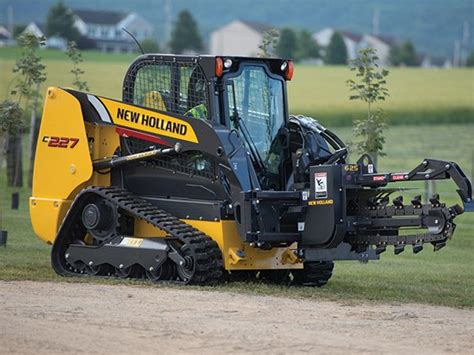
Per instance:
x=356, y=37
x=257, y=26
x=352, y=36
x=41, y=27
x=386, y=39
x=100, y=17
x=329, y=31
x=4, y=33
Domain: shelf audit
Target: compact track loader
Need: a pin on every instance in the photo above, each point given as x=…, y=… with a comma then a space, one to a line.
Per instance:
x=200, y=175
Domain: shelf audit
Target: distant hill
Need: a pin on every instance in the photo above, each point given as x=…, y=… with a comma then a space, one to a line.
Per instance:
x=432, y=25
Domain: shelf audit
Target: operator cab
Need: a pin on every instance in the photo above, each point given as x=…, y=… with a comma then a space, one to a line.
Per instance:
x=247, y=95
x=254, y=102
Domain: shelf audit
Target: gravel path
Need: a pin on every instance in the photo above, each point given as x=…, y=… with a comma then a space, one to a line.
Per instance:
x=46, y=318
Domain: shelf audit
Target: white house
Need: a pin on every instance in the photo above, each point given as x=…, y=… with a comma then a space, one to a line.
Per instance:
x=354, y=42
x=381, y=44
x=5, y=37
x=39, y=31
x=35, y=29
x=238, y=38
x=351, y=40
x=104, y=28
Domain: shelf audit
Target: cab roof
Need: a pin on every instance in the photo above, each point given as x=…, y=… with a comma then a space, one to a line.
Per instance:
x=208, y=62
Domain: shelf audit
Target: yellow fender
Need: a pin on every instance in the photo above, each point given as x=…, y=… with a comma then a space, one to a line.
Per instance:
x=62, y=162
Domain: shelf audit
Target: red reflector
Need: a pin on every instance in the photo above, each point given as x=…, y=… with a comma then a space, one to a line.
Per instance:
x=289, y=70
x=398, y=177
x=219, y=67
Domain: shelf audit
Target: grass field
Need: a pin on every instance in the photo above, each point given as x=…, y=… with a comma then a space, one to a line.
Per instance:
x=444, y=278
x=417, y=95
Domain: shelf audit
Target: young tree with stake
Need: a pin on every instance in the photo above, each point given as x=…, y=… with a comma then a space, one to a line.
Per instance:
x=369, y=87
x=30, y=73
x=76, y=58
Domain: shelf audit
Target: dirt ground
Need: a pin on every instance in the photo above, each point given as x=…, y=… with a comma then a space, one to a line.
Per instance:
x=90, y=318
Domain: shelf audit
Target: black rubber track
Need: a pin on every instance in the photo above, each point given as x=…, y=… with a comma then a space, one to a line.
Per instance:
x=208, y=265
x=315, y=273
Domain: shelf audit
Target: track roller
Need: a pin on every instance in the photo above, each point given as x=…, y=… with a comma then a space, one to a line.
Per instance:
x=128, y=272
x=166, y=272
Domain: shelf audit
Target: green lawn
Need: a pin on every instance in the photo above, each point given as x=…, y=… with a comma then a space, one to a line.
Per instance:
x=445, y=277
x=53, y=54
x=417, y=95
x=103, y=72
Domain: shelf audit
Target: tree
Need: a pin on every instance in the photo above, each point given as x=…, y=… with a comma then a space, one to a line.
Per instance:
x=185, y=34
x=307, y=46
x=11, y=121
x=11, y=117
x=404, y=54
x=336, y=52
x=76, y=57
x=287, y=44
x=150, y=45
x=30, y=73
x=60, y=22
x=18, y=29
x=369, y=87
x=269, y=42
x=470, y=60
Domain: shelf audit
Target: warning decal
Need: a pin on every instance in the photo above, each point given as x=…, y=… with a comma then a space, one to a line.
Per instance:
x=320, y=185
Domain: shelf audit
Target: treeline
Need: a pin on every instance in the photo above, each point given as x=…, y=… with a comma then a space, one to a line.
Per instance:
x=299, y=45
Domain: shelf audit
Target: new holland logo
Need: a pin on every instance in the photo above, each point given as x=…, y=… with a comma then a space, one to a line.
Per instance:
x=321, y=202
x=151, y=121
x=144, y=120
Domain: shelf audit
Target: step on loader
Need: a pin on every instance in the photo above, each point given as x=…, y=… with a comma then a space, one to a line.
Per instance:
x=200, y=175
